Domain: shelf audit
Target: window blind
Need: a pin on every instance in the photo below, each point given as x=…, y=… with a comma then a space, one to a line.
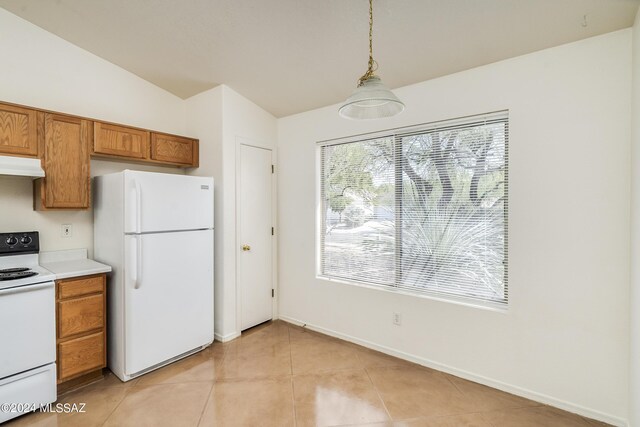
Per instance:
x=421, y=209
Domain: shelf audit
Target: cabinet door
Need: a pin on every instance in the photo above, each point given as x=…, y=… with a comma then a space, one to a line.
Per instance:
x=81, y=355
x=174, y=149
x=114, y=140
x=18, y=131
x=66, y=142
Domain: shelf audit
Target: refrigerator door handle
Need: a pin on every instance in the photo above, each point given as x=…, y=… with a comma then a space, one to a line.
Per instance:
x=138, y=206
x=133, y=260
x=138, y=262
x=136, y=255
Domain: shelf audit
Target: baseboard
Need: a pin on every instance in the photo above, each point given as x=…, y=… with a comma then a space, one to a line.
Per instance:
x=519, y=391
x=225, y=338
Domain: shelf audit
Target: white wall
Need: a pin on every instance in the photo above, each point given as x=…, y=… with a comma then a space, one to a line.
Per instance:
x=223, y=119
x=564, y=339
x=634, y=355
x=44, y=71
x=204, y=118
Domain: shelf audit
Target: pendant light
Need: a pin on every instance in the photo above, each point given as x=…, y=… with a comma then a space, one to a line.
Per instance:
x=371, y=99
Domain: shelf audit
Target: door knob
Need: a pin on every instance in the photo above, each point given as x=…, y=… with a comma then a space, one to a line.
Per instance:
x=246, y=248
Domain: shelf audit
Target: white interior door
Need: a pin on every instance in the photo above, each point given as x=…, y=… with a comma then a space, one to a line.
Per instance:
x=255, y=260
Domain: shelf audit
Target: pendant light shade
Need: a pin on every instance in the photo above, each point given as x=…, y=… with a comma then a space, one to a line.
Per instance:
x=371, y=99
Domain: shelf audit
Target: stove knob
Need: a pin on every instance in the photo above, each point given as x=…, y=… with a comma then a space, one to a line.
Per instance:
x=11, y=241
x=25, y=240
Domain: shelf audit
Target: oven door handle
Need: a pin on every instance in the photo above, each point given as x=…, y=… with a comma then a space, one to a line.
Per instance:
x=26, y=288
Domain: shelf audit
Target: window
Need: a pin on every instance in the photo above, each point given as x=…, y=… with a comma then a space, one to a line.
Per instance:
x=420, y=209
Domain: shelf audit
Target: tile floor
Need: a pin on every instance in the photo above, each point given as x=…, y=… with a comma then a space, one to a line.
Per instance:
x=281, y=375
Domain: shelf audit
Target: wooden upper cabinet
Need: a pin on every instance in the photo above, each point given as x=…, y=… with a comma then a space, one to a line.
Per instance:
x=115, y=141
x=174, y=149
x=18, y=131
x=121, y=141
x=65, y=144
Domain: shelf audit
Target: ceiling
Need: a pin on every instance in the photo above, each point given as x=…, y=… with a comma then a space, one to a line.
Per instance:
x=290, y=56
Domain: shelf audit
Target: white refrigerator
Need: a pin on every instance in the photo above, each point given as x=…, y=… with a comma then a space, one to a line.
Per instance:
x=156, y=231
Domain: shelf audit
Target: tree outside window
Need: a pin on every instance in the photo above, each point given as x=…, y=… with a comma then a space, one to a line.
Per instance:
x=423, y=210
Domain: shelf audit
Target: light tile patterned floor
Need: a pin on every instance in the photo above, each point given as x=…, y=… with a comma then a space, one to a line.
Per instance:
x=282, y=375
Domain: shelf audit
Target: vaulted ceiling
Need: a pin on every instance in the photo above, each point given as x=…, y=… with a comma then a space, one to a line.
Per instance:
x=290, y=56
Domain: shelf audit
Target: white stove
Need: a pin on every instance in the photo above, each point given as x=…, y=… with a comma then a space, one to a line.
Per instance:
x=20, y=270
x=27, y=335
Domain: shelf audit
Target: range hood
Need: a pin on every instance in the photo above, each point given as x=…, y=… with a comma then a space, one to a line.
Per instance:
x=21, y=166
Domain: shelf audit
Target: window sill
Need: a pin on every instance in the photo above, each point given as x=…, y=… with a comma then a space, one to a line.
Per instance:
x=451, y=299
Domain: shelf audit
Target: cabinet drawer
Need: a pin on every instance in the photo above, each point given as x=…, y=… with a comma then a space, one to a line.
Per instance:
x=114, y=140
x=79, y=315
x=174, y=149
x=80, y=355
x=78, y=287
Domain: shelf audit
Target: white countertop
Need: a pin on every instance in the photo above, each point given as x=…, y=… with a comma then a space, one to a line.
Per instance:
x=71, y=263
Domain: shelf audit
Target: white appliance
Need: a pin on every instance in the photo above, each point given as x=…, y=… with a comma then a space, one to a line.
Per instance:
x=27, y=327
x=156, y=231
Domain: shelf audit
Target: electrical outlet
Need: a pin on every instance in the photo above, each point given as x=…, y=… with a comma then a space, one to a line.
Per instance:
x=397, y=319
x=66, y=230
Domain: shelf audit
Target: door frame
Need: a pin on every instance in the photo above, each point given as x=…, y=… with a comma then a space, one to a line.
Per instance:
x=240, y=141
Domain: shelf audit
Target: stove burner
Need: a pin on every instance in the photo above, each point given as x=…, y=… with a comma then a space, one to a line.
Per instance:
x=13, y=270
x=17, y=275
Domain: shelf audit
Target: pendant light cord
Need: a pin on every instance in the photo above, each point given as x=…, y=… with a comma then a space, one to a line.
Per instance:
x=373, y=65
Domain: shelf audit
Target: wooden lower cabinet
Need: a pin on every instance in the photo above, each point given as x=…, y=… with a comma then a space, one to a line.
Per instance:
x=81, y=330
x=80, y=355
x=80, y=315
